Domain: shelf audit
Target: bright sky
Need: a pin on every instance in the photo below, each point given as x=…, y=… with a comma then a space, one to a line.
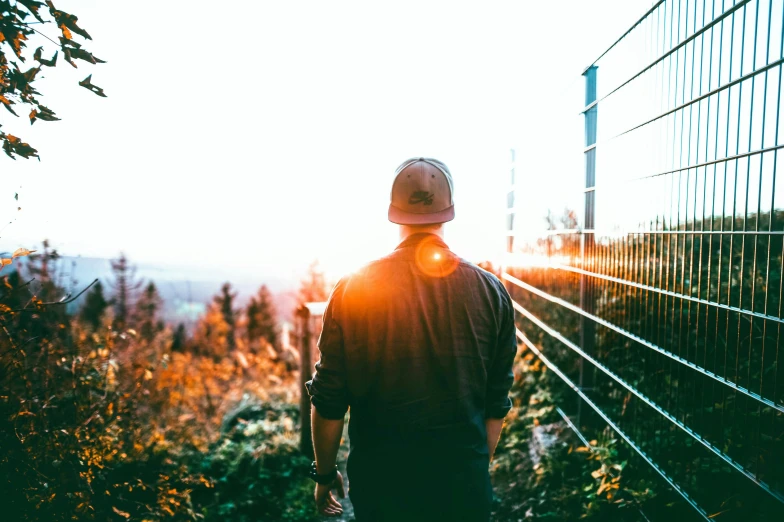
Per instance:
x=256, y=137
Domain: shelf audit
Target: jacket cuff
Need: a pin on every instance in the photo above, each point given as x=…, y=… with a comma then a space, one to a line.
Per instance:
x=329, y=409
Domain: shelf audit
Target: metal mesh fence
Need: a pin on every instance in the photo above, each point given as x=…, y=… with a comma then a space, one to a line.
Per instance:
x=660, y=302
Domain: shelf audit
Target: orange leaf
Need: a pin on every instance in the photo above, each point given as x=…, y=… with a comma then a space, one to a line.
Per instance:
x=21, y=252
x=67, y=35
x=121, y=513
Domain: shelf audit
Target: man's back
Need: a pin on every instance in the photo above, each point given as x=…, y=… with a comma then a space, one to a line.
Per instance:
x=419, y=344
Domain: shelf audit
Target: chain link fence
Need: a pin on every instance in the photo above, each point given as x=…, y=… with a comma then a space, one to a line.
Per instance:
x=660, y=301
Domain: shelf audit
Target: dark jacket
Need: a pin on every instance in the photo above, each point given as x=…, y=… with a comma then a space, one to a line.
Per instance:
x=420, y=345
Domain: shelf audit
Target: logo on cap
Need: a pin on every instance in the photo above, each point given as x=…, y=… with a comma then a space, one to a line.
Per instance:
x=421, y=196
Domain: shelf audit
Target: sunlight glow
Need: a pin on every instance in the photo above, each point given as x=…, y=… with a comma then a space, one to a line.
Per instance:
x=532, y=260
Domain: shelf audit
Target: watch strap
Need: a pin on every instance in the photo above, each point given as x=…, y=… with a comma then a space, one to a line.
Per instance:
x=323, y=479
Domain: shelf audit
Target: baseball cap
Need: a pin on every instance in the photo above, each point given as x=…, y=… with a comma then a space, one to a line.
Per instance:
x=422, y=193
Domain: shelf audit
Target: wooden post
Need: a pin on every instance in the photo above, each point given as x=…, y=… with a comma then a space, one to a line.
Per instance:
x=305, y=374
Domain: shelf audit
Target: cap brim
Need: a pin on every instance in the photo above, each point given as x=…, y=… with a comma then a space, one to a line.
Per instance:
x=401, y=217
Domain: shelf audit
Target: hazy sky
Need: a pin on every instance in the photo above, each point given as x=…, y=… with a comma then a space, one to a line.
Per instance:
x=251, y=137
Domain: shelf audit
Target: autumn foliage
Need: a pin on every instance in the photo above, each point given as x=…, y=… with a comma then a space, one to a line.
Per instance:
x=105, y=423
x=23, y=21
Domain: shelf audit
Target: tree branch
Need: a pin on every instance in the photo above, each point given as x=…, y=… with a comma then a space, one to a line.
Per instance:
x=65, y=300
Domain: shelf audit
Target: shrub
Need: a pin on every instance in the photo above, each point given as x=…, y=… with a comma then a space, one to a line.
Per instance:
x=100, y=424
x=257, y=471
x=541, y=471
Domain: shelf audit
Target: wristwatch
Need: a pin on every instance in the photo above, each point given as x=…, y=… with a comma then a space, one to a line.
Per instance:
x=327, y=478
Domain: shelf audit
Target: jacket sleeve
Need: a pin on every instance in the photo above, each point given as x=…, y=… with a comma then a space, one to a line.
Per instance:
x=500, y=375
x=327, y=389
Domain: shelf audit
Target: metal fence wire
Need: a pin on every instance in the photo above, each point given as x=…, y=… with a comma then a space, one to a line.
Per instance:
x=660, y=302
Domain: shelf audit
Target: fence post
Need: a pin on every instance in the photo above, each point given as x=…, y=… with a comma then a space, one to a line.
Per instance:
x=305, y=441
x=510, y=206
x=588, y=327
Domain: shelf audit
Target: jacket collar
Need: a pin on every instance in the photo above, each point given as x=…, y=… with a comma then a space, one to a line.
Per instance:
x=416, y=239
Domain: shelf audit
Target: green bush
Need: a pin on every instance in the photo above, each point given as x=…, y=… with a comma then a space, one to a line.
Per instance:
x=257, y=472
x=541, y=471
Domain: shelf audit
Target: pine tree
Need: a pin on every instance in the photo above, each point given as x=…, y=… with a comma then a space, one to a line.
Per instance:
x=146, y=313
x=42, y=267
x=125, y=287
x=313, y=288
x=211, y=336
x=95, y=305
x=40, y=286
x=179, y=339
x=225, y=304
x=262, y=318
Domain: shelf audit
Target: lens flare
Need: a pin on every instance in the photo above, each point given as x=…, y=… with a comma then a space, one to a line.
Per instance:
x=434, y=260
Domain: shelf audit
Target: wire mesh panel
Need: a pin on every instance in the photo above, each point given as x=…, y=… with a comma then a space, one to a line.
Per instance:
x=660, y=302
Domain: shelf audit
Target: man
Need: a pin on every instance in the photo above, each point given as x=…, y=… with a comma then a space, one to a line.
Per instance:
x=419, y=344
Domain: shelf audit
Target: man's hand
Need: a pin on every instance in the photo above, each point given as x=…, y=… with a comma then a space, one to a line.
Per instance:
x=327, y=504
